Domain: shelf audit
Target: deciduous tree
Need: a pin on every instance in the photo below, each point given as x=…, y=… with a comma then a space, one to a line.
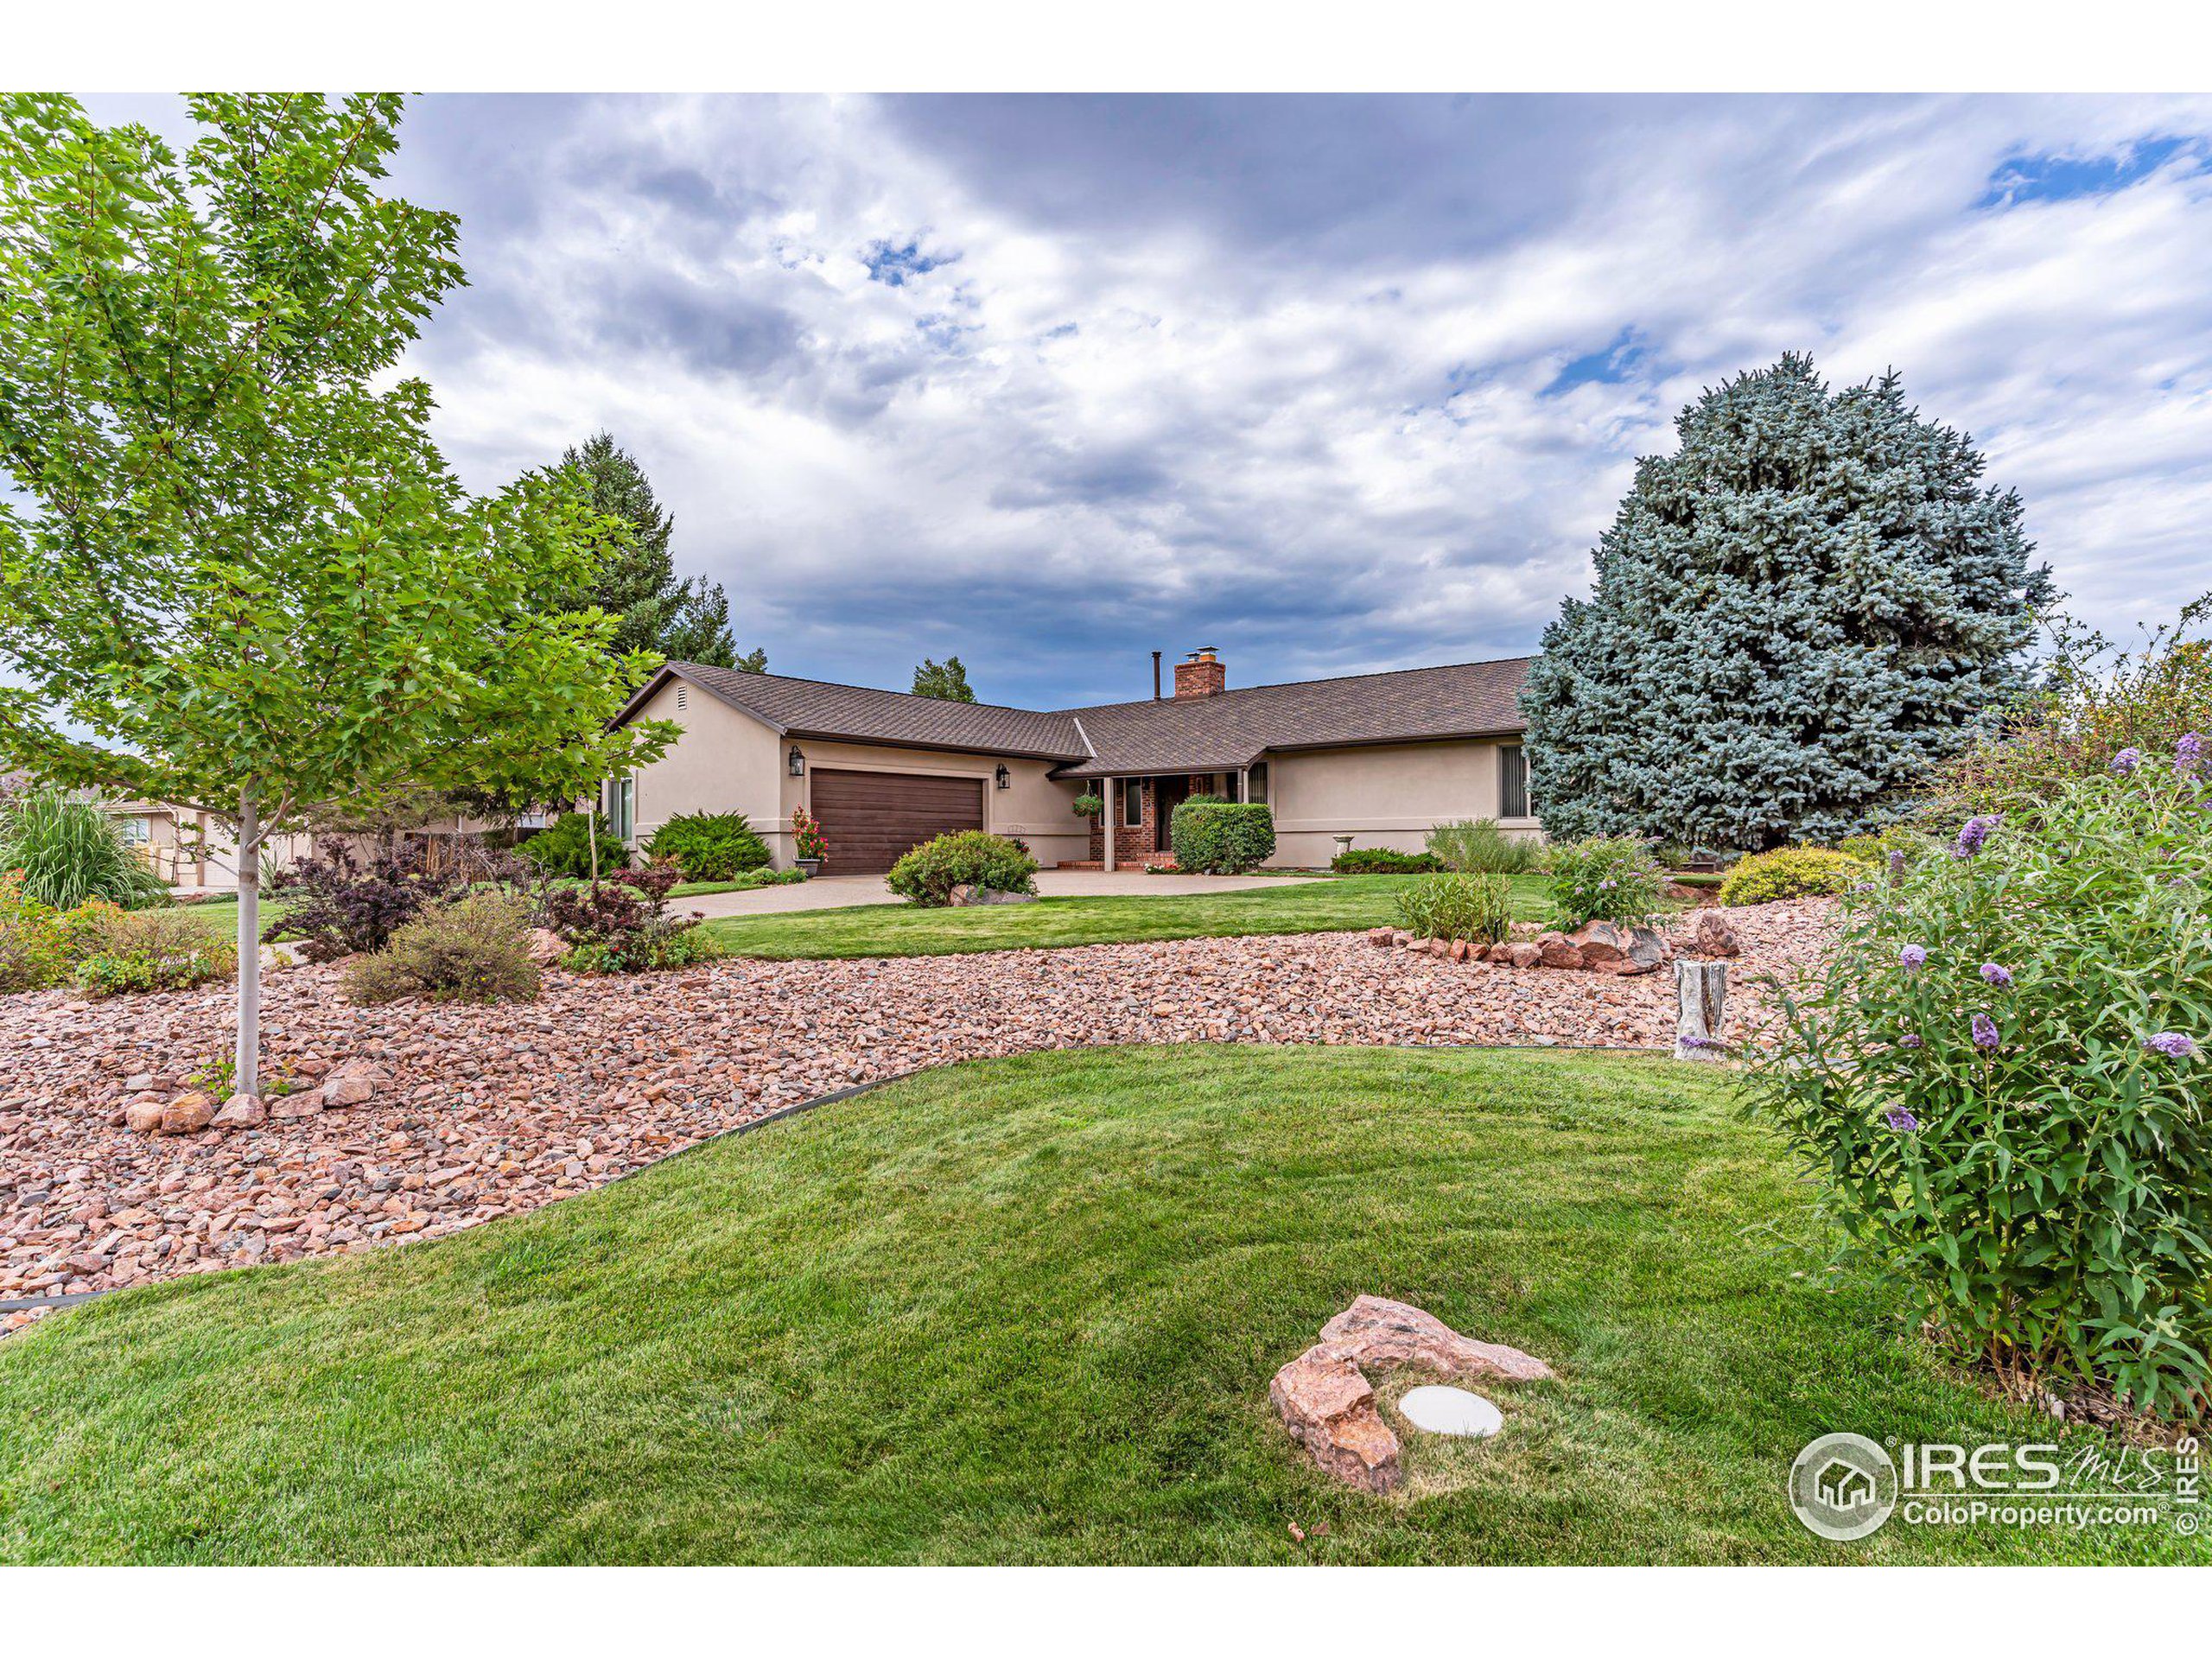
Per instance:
x=242, y=577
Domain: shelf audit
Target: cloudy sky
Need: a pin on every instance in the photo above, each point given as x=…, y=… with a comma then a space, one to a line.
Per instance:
x=1333, y=384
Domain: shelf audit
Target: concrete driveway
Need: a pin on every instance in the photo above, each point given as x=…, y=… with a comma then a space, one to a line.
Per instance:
x=842, y=892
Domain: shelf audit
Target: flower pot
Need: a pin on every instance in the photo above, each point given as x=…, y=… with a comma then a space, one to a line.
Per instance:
x=812, y=867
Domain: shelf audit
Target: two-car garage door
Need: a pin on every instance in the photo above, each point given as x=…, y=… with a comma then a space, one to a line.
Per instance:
x=871, y=818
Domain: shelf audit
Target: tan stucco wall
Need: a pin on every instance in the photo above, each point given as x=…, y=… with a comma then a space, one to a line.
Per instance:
x=1032, y=806
x=727, y=762
x=1390, y=795
x=724, y=762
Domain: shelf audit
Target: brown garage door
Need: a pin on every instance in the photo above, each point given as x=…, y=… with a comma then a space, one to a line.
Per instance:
x=871, y=818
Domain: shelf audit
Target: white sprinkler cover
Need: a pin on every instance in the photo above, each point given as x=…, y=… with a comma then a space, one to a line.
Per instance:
x=1451, y=1411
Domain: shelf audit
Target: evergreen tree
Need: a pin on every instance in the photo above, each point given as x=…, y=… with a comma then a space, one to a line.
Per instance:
x=688, y=621
x=1798, y=614
x=947, y=680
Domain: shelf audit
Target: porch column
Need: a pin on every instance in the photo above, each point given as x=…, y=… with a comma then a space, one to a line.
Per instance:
x=1113, y=818
x=1243, y=785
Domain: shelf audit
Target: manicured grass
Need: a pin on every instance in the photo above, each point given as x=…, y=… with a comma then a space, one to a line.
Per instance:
x=1027, y=1311
x=1334, y=906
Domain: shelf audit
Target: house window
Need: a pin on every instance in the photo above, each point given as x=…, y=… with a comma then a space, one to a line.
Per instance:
x=1133, y=803
x=1513, y=782
x=622, y=806
x=1256, y=784
x=137, y=831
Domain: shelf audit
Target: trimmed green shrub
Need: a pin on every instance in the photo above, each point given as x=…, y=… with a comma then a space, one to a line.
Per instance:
x=1999, y=1076
x=1383, y=861
x=1792, y=873
x=1478, y=846
x=1477, y=907
x=563, y=847
x=1212, y=836
x=928, y=875
x=709, y=846
x=1605, y=879
x=476, y=950
x=69, y=851
x=133, y=950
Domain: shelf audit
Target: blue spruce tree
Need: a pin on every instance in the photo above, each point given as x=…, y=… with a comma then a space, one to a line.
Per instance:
x=1810, y=603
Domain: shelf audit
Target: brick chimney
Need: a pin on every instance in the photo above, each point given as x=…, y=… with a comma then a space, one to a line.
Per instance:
x=1202, y=676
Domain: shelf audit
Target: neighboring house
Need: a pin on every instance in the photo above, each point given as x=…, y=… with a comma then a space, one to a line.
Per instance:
x=189, y=849
x=1379, y=758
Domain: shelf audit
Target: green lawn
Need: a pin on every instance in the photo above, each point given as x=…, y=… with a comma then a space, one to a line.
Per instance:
x=1027, y=1311
x=1334, y=906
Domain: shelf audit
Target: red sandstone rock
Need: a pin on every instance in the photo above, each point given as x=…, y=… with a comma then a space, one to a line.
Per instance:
x=241, y=1112
x=143, y=1115
x=1461, y=949
x=1329, y=1408
x=1711, y=936
x=188, y=1114
x=1377, y=1333
x=1556, y=950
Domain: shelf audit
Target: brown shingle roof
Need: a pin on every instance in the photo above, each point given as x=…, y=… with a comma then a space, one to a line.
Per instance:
x=861, y=714
x=1215, y=734
x=1230, y=728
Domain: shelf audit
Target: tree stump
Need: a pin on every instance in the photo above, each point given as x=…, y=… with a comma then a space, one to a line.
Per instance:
x=1701, y=996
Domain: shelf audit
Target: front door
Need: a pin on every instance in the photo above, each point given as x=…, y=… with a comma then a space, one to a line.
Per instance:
x=1167, y=794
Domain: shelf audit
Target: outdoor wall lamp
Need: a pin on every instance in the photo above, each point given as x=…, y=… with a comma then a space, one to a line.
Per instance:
x=798, y=762
x=1005, y=779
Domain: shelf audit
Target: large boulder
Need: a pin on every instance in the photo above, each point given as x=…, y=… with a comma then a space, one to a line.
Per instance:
x=354, y=1083
x=1711, y=936
x=1329, y=1408
x=241, y=1112
x=188, y=1114
x=1375, y=1332
x=965, y=894
x=1557, y=950
x=144, y=1114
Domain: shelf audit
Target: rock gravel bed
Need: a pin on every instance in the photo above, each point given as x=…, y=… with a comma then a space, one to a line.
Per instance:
x=490, y=1111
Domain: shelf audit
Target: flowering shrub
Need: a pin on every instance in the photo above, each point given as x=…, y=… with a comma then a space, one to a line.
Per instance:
x=1606, y=878
x=1999, y=1078
x=1791, y=873
x=1477, y=907
x=806, y=833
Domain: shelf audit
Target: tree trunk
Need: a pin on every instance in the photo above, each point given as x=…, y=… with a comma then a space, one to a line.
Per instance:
x=591, y=835
x=1701, y=998
x=247, y=1072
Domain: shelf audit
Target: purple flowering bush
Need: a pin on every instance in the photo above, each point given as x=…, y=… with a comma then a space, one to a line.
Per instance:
x=1605, y=879
x=2000, y=1076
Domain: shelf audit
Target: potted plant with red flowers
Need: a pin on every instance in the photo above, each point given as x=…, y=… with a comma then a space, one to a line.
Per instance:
x=813, y=848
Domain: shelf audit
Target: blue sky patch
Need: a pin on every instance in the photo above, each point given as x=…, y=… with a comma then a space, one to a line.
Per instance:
x=1609, y=366
x=894, y=262
x=2060, y=177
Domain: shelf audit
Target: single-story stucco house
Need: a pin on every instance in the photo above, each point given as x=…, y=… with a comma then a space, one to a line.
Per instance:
x=1380, y=758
